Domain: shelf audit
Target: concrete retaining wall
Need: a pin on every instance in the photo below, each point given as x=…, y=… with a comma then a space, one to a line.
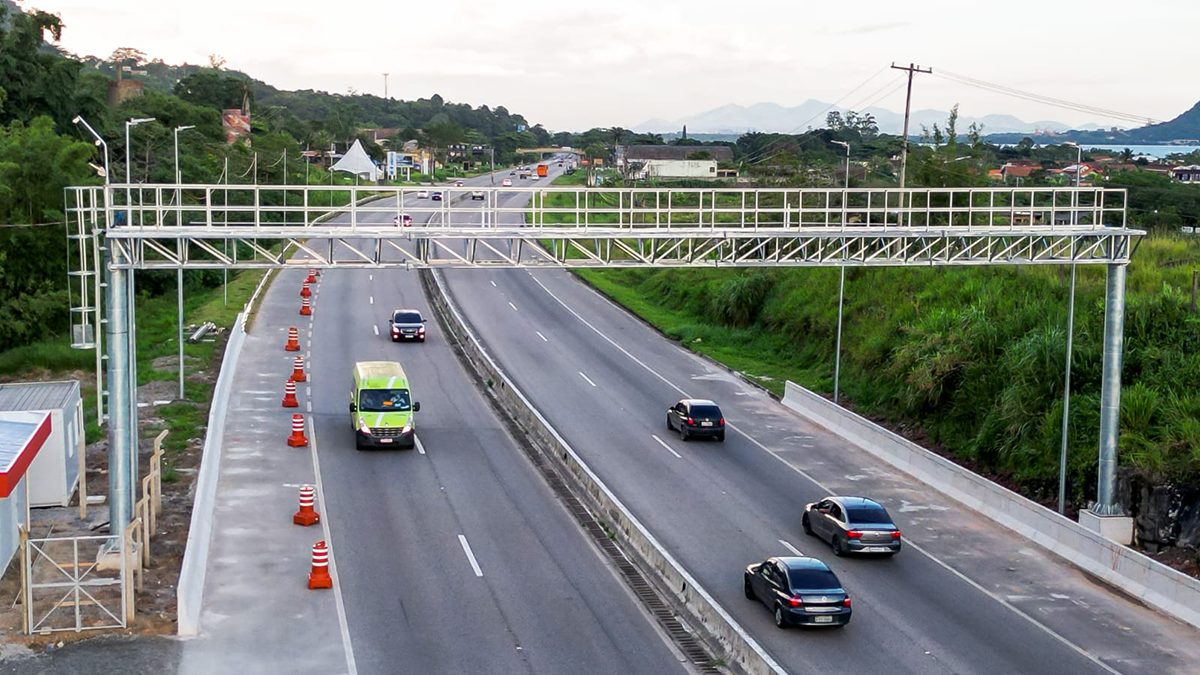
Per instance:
x=1157, y=585
x=190, y=590
x=701, y=610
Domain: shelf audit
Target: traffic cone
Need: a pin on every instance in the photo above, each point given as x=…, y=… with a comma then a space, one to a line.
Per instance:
x=305, y=307
x=307, y=515
x=289, y=395
x=297, y=439
x=319, y=576
x=305, y=292
x=293, y=341
x=312, y=276
x=298, y=370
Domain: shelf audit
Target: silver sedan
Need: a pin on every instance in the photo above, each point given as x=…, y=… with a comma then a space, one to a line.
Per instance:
x=852, y=525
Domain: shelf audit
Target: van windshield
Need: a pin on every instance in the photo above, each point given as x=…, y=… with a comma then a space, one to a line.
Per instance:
x=383, y=400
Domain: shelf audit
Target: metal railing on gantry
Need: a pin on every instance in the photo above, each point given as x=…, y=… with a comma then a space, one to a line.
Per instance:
x=263, y=226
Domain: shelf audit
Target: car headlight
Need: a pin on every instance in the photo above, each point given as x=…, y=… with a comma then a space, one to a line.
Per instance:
x=362, y=426
x=407, y=428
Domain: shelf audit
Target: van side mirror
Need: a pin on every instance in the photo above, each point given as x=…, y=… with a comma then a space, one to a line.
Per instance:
x=417, y=406
x=353, y=408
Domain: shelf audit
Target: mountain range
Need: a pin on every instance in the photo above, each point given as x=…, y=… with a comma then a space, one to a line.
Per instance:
x=775, y=118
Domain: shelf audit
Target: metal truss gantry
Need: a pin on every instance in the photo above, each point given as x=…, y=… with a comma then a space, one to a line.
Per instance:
x=196, y=226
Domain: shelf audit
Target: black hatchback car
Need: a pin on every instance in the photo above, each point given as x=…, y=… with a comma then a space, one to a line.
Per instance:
x=696, y=417
x=407, y=324
x=799, y=591
x=852, y=525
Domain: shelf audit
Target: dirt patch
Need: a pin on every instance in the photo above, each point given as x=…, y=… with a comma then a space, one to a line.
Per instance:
x=171, y=363
x=155, y=601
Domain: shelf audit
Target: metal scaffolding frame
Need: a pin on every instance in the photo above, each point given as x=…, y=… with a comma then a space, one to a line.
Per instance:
x=191, y=226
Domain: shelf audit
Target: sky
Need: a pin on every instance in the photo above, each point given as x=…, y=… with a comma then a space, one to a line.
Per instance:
x=575, y=65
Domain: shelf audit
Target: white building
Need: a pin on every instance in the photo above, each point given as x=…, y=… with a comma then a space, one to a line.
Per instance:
x=58, y=468
x=21, y=438
x=674, y=161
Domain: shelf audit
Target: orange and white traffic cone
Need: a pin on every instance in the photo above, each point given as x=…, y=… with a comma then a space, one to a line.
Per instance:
x=289, y=395
x=293, y=341
x=307, y=515
x=297, y=439
x=319, y=576
x=312, y=276
x=298, y=370
x=305, y=307
x=305, y=291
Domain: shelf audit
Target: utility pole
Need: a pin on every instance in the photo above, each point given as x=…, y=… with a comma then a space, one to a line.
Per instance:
x=911, y=69
x=385, y=76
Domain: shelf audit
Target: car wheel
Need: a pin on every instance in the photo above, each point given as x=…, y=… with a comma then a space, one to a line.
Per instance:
x=749, y=590
x=780, y=622
x=669, y=427
x=837, y=546
x=422, y=340
x=721, y=437
x=358, y=444
x=683, y=436
x=806, y=525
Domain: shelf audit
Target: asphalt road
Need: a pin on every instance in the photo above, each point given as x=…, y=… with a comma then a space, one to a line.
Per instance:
x=537, y=598
x=966, y=596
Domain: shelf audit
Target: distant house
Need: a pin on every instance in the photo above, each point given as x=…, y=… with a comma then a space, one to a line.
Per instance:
x=1017, y=171
x=1186, y=174
x=675, y=161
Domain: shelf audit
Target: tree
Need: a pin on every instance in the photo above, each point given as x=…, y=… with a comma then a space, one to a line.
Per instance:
x=213, y=90
x=123, y=57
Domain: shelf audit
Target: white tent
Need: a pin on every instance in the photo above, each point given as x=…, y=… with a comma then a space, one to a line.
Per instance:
x=357, y=162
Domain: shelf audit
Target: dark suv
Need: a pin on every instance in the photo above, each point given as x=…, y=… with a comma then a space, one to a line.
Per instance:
x=696, y=417
x=407, y=324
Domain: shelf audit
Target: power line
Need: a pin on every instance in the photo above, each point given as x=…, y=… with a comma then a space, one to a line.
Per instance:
x=1047, y=100
x=769, y=149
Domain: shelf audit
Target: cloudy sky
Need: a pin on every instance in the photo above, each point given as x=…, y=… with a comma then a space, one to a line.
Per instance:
x=573, y=65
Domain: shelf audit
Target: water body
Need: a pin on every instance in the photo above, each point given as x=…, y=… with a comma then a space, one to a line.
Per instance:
x=1159, y=151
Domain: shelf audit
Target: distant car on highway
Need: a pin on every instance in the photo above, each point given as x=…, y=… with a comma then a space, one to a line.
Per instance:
x=507, y=182
x=512, y=173
x=402, y=220
x=477, y=194
x=459, y=183
x=436, y=196
x=799, y=591
x=696, y=417
x=852, y=525
x=407, y=324
x=422, y=194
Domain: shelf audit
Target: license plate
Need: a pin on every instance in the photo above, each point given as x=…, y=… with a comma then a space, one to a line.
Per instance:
x=706, y=424
x=877, y=549
x=823, y=619
x=385, y=440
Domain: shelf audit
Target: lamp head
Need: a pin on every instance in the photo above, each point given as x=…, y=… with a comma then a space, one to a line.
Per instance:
x=185, y=127
x=139, y=120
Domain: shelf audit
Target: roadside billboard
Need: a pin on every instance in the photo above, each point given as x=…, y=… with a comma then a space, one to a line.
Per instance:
x=236, y=124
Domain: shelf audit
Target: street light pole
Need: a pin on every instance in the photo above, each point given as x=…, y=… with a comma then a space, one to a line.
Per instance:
x=179, y=270
x=1062, y=453
x=837, y=356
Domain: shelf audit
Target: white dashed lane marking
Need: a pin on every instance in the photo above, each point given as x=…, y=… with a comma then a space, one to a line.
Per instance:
x=669, y=448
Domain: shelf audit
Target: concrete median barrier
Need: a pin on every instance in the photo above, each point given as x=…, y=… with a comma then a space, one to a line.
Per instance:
x=1155, y=584
x=738, y=649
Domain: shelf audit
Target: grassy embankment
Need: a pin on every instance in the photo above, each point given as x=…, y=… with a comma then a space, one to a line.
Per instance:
x=971, y=357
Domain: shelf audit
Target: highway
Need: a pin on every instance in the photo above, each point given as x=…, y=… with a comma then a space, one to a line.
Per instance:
x=966, y=596
x=456, y=556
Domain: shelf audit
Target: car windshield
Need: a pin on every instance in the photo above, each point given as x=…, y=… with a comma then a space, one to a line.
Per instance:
x=812, y=579
x=706, y=411
x=868, y=514
x=383, y=400
x=406, y=317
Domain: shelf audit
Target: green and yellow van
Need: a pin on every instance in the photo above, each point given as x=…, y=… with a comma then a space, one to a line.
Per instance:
x=381, y=406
